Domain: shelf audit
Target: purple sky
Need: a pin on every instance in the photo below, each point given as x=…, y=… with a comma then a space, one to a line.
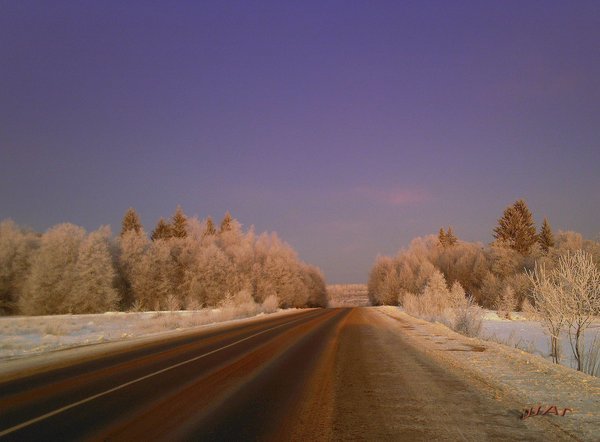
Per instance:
x=347, y=127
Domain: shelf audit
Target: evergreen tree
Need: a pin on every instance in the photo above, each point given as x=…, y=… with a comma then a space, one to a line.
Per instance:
x=451, y=239
x=546, y=237
x=210, y=229
x=447, y=239
x=162, y=230
x=442, y=237
x=516, y=228
x=131, y=221
x=179, y=224
x=226, y=223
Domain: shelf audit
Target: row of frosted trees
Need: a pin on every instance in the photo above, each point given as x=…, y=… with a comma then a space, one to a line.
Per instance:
x=186, y=263
x=494, y=275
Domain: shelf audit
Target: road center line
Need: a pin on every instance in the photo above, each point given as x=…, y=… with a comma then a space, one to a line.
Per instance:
x=135, y=381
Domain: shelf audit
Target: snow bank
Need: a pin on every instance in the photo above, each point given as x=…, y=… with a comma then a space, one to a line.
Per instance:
x=22, y=336
x=531, y=336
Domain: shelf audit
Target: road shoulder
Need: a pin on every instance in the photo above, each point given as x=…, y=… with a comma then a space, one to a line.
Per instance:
x=513, y=376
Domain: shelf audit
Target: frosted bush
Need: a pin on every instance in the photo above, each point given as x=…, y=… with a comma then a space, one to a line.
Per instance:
x=468, y=319
x=270, y=304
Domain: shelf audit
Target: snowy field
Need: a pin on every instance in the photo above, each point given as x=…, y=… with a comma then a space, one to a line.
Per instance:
x=531, y=336
x=22, y=336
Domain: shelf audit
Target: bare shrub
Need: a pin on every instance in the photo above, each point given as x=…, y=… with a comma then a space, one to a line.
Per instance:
x=579, y=281
x=192, y=303
x=468, y=318
x=270, y=304
x=240, y=305
x=529, y=310
x=568, y=295
x=172, y=303
x=171, y=321
x=549, y=305
x=137, y=306
x=55, y=328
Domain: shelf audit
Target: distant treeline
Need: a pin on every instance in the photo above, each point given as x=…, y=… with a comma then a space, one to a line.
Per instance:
x=347, y=295
x=494, y=275
x=186, y=263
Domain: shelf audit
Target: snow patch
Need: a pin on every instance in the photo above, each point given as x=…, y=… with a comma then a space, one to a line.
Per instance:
x=22, y=336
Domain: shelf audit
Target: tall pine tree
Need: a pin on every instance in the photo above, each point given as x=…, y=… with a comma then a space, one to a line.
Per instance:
x=226, y=223
x=209, y=230
x=447, y=239
x=516, y=228
x=131, y=221
x=179, y=224
x=442, y=237
x=451, y=238
x=162, y=230
x=546, y=237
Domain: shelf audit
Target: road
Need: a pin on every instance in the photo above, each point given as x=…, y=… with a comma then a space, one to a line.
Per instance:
x=330, y=374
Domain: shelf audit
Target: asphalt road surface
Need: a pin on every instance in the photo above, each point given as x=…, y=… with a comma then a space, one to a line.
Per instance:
x=330, y=374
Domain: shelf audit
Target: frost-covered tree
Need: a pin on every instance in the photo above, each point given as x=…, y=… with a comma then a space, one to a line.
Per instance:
x=505, y=261
x=162, y=230
x=578, y=279
x=506, y=302
x=17, y=247
x=546, y=237
x=391, y=289
x=53, y=272
x=447, y=239
x=435, y=296
x=442, y=237
x=206, y=281
x=436, y=285
x=568, y=295
x=94, y=285
x=279, y=272
x=451, y=238
x=157, y=273
x=226, y=223
x=209, y=229
x=132, y=250
x=131, y=222
x=516, y=228
x=179, y=224
x=457, y=295
x=377, y=280
x=315, y=281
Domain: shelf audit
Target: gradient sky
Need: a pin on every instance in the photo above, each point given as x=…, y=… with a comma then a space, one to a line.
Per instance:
x=347, y=127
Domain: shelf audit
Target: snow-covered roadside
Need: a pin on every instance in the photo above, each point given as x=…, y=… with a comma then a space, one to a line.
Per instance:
x=23, y=336
x=515, y=377
x=532, y=336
